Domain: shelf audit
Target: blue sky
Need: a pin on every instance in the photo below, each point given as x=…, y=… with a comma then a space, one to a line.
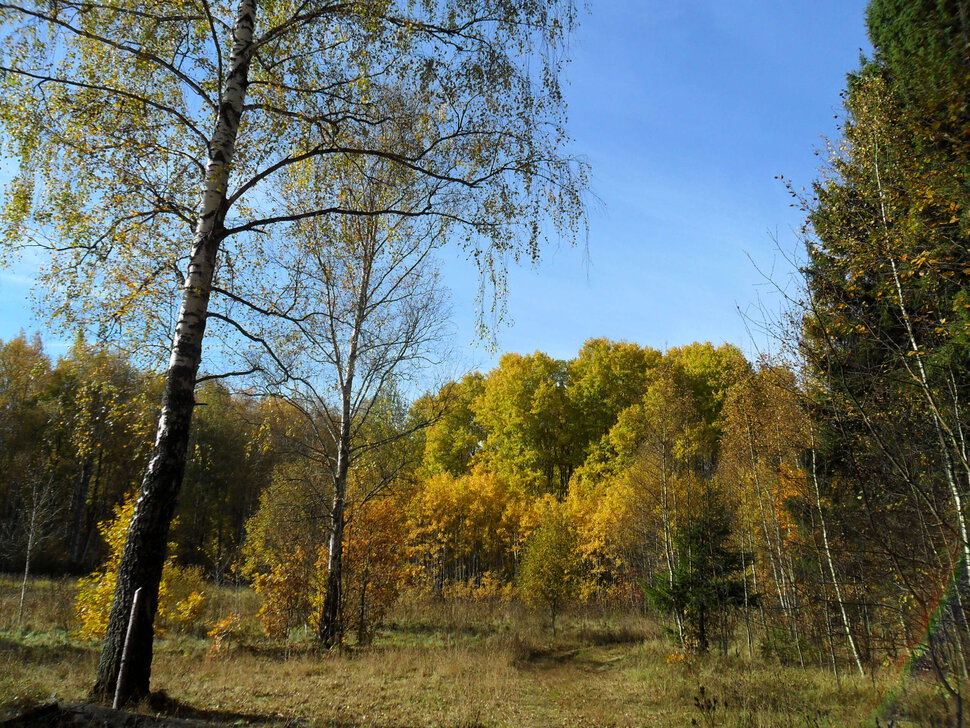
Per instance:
x=686, y=110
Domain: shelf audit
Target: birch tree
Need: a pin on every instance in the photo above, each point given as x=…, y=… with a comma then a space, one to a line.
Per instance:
x=366, y=307
x=150, y=139
x=41, y=508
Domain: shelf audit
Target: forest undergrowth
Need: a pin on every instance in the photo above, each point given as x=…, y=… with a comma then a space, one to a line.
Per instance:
x=451, y=663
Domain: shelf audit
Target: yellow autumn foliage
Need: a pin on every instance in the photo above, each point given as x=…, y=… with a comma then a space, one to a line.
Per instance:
x=550, y=571
x=489, y=587
x=473, y=523
x=375, y=565
x=224, y=633
x=291, y=583
x=181, y=596
x=290, y=590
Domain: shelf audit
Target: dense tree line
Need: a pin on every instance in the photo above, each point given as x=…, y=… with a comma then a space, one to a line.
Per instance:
x=626, y=448
x=76, y=432
x=699, y=487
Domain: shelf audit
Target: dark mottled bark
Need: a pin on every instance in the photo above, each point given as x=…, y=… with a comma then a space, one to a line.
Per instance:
x=144, y=552
x=79, y=501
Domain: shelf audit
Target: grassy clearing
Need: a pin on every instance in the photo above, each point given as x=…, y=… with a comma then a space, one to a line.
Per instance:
x=451, y=665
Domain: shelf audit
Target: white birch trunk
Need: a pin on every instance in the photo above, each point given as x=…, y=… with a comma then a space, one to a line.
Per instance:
x=835, y=580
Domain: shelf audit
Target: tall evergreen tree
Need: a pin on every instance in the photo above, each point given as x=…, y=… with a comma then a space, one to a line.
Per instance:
x=886, y=335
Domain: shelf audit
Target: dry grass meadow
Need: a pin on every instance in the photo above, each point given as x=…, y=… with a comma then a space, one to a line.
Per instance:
x=453, y=665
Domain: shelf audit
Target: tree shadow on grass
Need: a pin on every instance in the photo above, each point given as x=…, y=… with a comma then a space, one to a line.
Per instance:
x=54, y=651
x=162, y=703
x=168, y=706
x=174, y=715
x=164, y=712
